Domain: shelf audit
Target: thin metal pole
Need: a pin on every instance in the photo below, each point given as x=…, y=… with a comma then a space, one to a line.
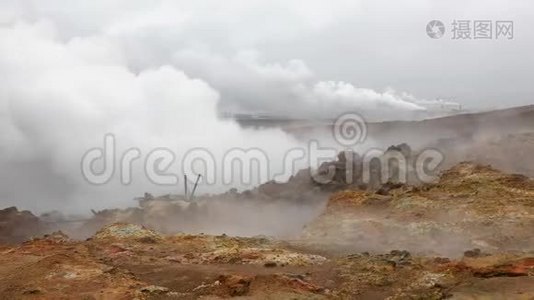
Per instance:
x=195, y=187
x=185, y=187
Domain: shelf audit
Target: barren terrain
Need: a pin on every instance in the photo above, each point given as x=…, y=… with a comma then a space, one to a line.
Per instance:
x=466, y=235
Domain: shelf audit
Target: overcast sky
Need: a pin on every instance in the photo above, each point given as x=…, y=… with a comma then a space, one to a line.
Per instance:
x=270, y=56
x=157, y=73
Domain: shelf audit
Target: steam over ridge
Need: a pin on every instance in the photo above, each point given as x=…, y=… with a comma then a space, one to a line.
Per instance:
x=58, y=103
x=158, y=76
x=60, y=97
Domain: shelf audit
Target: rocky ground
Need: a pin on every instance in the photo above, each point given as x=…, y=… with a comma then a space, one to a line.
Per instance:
x=470, y=206
x=124, y=261
x=466, y=236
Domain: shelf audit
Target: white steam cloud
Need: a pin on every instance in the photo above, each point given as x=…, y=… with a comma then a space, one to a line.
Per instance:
x=249, y=85
x=60, y=99
x=154, y=76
